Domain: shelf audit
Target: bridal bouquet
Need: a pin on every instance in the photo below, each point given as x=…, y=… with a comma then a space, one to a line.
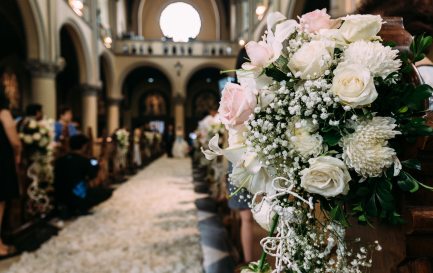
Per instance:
x=314, y=132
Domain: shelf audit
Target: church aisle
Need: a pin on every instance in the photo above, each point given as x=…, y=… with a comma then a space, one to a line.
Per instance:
x=148, y=226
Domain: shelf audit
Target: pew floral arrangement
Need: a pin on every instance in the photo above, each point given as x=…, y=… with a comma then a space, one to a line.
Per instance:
x=122, y=138
x=208, y=127
x=38, y=140
x=314, y=128
x=36, y=136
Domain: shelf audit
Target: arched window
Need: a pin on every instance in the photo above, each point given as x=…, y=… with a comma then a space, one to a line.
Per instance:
x=180, y=21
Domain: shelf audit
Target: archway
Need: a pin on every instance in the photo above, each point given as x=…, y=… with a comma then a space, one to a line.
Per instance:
x=203, y=94
x=147, y=96
x=13, y=55
x=68, y=80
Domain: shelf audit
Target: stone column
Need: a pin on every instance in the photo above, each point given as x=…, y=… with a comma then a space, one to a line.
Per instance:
x=90, y=108
x=44, y=85
x=179, y=112
x=113, y=114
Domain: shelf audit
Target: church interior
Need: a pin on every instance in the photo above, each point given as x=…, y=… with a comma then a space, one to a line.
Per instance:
x=129, y=86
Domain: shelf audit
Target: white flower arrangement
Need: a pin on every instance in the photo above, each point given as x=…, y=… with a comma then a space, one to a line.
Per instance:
x=318, y=110
x=122, y=137
x=37, y=136
x=38, y=141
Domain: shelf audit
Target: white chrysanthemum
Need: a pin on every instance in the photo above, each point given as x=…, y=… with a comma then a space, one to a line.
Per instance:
x=380, y=60
x=366, y=149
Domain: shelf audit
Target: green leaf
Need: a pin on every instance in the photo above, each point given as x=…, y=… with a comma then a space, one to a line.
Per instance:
x=362, y=218
x=390, y=43
x=362, y=192
x=371, y=206
x=416, y=99
x=403, y=109
x=337, y=214
x=332, y=138
x=413, y=164
x=407, y=183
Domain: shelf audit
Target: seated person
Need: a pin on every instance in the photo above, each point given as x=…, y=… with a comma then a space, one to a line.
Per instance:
x=65, y=125
x=73, y=174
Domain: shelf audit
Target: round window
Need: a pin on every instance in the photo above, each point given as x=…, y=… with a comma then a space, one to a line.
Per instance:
x=180, y=21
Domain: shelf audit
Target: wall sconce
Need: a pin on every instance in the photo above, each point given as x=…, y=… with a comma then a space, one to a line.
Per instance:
x=260, y=11
x=241, y=42
x=107, y=41
x=77, y=6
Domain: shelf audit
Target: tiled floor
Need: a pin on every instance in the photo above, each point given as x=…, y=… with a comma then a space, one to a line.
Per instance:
x=214, y=239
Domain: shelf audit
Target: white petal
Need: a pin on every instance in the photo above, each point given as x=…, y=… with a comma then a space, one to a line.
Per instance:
x=397, y=166
x=274, y=18
x=214, y=145
x=210, y=155
x=235, y=154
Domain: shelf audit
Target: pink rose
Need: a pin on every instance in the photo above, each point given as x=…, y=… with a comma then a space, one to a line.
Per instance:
x=237, y=104
x=316, y=20
x=260, y=54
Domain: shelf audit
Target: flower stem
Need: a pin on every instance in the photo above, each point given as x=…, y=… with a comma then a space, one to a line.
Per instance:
x=271, y=232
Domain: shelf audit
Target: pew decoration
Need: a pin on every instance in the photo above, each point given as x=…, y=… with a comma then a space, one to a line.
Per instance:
x=207, y=128
x=38, y=142
x=121, y=139
x=315, y=131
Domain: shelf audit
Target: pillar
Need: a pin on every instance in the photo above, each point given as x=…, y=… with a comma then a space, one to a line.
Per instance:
x=113, y=114
x=179, y=112
x=44, y=86
x=90, y=108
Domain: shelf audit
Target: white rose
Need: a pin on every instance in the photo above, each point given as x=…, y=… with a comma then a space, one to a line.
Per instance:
x=332, y=35
x=312, y=59
x=360, y=27
x=354, y=85
x=326, y=176
x=36, y=136
x=303, y=138
x=28, y=139
x=307, y=145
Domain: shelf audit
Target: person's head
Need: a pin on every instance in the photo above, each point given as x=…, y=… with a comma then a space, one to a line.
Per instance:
x=66, y=114
x=34, y=110
x=78, y=143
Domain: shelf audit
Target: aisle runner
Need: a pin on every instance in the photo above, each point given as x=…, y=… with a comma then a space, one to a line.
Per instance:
x=148, y=226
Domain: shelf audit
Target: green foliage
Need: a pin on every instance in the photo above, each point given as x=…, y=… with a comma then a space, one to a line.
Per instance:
x=275, y=73
x=332, y=137
x=338, y=214
x=407, y=183
x=374, y=198
x=412, y=164
x=419, y=45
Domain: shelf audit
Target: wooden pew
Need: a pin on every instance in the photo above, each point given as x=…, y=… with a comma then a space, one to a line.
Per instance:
x=407, y=248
